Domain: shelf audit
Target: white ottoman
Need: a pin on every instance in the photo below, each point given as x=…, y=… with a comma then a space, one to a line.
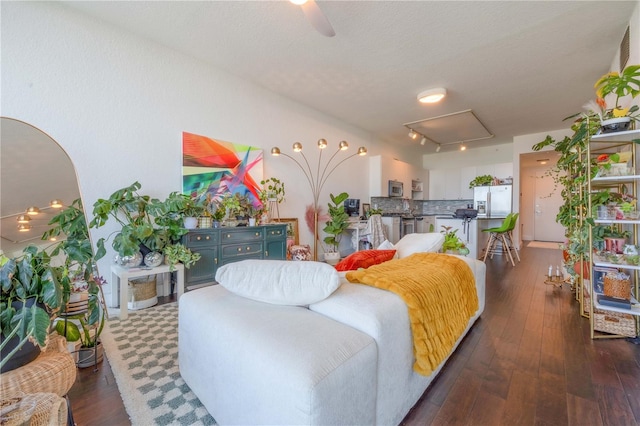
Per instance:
x=255, y=363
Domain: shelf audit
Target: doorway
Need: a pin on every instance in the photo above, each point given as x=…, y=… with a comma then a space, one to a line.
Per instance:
x=540, y=198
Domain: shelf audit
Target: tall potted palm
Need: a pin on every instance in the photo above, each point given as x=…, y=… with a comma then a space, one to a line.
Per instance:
x=337, y=224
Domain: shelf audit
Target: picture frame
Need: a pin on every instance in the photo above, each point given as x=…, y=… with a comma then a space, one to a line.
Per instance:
x=366, y=208
x=292, y=228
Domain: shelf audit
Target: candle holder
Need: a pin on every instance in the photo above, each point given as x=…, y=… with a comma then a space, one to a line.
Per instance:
x=555, y=280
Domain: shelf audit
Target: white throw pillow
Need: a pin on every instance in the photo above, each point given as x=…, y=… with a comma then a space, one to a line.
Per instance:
x=386, y=245
x=278, y=281
x=419, y=242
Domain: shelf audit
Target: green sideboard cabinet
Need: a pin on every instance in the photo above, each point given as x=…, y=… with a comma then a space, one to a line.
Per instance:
x=219, y=246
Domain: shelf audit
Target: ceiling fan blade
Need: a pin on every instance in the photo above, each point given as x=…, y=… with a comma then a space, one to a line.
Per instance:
x=316, y=17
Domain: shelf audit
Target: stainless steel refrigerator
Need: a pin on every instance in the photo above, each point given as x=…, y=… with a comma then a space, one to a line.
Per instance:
x=494, y=200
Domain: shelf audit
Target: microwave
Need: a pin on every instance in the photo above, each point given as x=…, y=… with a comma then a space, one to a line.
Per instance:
x=395, y=188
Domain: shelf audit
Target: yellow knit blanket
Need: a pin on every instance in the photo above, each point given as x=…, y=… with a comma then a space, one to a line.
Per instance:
x=441, y=297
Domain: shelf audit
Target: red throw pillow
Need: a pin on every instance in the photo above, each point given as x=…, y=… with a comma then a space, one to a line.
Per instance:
x=364, y=259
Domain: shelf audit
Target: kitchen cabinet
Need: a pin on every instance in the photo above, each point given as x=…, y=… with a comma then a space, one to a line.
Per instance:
x=417, y=189
x=219, y=246
x=453, y=184
x=382, y=170
x=618, y=320
x=467, y=174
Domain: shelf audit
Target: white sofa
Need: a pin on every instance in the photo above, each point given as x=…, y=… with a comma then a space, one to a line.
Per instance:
x=346, y=359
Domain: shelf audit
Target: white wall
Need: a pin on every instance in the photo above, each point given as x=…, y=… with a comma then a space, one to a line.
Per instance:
x=118, y=105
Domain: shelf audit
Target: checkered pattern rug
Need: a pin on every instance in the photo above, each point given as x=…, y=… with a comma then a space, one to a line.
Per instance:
x=143, y=353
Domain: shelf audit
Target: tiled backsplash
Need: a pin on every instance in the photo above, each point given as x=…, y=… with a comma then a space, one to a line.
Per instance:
x=395, y=205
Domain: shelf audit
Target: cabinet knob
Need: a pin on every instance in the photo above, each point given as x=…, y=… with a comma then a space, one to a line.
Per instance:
x=257, y=234
x=198, y=238
x=248, y=248
x=239, y=249
x=207, y=237
x=228, y=235
x=215, y=260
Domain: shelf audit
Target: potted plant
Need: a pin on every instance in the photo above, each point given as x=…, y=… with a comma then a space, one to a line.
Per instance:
x=625, y=83
x=236, y=206
x=453, y=243
x=30, y=296
x=146, y=223
x=177, y=252
x=86, y=324
x=272, y=191
x=336, y=225
x=483, y=180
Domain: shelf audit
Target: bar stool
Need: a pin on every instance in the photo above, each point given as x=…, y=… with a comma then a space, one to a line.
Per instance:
x=512, y=245
x=496, y=235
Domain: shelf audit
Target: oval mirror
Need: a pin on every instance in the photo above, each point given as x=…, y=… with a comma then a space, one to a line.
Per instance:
x=34, y=172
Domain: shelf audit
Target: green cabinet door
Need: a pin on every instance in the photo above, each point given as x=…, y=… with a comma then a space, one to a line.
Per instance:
x=275, y=242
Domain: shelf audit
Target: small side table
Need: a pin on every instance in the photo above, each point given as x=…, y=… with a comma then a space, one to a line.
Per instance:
x=120, y=278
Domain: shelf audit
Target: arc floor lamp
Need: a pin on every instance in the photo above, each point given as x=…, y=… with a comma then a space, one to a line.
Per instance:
x=322, y=173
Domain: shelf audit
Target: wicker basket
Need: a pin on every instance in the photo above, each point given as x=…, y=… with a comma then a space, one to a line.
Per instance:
x=142, y=288
x=616, y=286
x=614, y=323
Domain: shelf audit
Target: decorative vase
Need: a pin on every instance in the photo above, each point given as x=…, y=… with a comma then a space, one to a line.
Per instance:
x=131, y=261
x=153, y=259
x=614, y=245
x=190, y=222
x=613, y=125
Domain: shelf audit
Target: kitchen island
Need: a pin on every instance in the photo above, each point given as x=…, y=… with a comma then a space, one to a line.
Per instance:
x=471, y=231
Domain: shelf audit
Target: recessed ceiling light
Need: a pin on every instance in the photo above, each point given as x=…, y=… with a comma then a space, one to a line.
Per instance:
x=432, y=95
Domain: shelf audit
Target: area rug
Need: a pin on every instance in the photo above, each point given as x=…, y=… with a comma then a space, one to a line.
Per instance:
x=143, y=353
x=543, y=244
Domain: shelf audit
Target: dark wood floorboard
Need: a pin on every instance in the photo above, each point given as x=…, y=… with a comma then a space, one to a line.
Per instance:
x=529, y=360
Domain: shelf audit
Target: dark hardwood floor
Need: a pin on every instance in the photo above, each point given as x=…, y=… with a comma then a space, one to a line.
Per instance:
x=529, y=360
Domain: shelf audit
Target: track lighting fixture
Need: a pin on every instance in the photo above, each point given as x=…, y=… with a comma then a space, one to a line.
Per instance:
x=23, y=218
x=33, y=211
x=56, y=204
x=413, y=135
x=423, y=140
x=438, y=147
x=462, y=147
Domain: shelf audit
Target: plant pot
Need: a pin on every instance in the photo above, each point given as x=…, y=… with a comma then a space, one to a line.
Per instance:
x=252, y=221
x=27, y=353
x=190, y=222
x=87, y=357
x=614, y=245
x=332, y=258
x=586, y=269
x=615, y=125
x=204, y=222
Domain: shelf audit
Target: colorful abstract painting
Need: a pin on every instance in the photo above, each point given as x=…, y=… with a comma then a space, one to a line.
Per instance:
x=215, y=167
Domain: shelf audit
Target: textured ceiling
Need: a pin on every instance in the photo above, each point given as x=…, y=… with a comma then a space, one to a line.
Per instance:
x=521, y=66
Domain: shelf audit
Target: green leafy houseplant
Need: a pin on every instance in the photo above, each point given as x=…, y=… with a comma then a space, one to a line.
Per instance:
x=175, y=253
x=452, y=242
x=337, y=223
x=91, y=319
x=29, y=276
x=144, y=220
x=483, y=180
x=622, y=84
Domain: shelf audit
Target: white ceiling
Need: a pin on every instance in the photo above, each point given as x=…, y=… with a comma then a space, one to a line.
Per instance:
x=521, y=66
